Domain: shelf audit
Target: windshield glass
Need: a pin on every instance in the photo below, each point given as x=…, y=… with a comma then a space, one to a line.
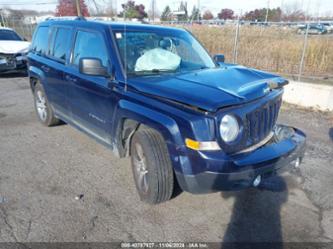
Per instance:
x=8, y=35
x=161, y=52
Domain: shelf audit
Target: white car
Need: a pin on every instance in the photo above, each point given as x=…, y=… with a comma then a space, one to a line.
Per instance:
x=13, y=50
x=328, y=26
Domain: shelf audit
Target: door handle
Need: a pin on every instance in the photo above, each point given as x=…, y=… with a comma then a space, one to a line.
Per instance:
x=70, y=78
x=45, y=69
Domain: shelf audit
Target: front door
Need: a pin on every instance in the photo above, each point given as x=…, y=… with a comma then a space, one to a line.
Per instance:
x=90, y=98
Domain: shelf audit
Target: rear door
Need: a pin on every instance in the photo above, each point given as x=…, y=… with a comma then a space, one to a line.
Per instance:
x=58, y=59
x=90, y=98
x=38, y=56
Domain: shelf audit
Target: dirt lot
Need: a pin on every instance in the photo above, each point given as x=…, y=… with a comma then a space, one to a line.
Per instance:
x=43, y=169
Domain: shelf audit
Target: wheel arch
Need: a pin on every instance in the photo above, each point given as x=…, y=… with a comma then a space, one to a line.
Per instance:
x=131, y=117
x=35, y=75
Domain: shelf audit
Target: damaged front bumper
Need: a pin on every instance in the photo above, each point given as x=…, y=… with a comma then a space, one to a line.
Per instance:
x=283, y=152
x=12, y=62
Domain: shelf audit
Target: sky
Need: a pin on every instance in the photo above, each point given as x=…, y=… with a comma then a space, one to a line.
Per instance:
x=239, y=6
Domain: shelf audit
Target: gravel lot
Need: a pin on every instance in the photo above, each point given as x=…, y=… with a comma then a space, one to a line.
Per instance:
x=42, y=170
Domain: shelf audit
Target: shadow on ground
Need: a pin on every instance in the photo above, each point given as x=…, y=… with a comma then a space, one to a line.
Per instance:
x=256, y=213
x=14, y=75
x=330, y=133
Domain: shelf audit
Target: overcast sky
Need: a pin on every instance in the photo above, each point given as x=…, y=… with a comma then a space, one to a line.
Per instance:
x=311, y=6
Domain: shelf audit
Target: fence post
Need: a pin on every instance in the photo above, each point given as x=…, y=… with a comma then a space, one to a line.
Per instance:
x=303, y=52
x=235, y=52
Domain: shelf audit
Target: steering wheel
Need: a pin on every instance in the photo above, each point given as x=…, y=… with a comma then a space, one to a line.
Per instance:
x=167, y=44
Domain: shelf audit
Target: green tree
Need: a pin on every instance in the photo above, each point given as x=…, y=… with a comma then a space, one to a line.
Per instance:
x=166, y=14
x=131, y=10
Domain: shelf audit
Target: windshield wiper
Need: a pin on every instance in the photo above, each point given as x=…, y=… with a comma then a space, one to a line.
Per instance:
x=153, y=71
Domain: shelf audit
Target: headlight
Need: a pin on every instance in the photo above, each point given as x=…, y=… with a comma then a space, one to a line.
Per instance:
x=229, y=128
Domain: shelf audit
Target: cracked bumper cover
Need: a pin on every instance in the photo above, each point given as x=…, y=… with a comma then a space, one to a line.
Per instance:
x=273, y=158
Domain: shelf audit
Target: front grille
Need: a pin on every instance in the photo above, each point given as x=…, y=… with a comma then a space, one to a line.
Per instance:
x=261, y=121
x=11, y=61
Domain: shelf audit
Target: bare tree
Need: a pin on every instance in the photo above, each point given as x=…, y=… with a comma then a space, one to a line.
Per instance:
x=293, y=12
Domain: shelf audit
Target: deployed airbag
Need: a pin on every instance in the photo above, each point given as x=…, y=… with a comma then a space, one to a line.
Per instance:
x=157, y=59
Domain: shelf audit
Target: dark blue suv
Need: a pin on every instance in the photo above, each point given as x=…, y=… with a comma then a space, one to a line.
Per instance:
x=154, y=93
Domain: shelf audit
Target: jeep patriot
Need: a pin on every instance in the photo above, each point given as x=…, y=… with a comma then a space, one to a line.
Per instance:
x=154, y=94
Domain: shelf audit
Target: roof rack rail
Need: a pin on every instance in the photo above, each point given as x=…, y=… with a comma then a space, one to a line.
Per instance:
x=65, y=18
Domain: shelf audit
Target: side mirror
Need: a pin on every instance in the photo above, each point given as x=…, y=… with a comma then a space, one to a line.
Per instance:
x=92, y=66
x=219, y=58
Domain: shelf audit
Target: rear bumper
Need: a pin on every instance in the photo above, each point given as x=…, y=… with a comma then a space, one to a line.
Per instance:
x=207, y=181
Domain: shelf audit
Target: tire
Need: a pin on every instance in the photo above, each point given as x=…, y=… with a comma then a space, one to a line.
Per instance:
x=43, y=109
x=151, y=166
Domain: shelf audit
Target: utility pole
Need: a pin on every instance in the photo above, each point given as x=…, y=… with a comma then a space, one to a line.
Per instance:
x=266, y=18
x=78, y=8
x=199, y=10
x=281, y=8
x=153, y=9
x=116, y=8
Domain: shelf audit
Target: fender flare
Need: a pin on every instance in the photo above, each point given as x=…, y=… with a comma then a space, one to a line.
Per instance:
x=35, y=73
x=151, y=118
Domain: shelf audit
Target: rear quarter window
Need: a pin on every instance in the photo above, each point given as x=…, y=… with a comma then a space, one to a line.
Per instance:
x=40, y=43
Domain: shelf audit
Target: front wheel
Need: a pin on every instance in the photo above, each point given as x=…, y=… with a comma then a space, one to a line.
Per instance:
x=43, y=109
x=151, y=165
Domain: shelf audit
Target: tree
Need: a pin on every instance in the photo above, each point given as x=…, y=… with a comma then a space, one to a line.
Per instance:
x=293, y=12
x=226, y=14
x=208, y=15
x=153, y=12
x=166, y=14
x=195, y=16
x=68, y=8
x=183, y=7
x=131, y=10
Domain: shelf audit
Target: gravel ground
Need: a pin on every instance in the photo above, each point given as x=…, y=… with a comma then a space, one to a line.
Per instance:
x=42, y=170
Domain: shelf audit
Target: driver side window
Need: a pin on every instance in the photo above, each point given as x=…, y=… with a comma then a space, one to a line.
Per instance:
x=89, y=44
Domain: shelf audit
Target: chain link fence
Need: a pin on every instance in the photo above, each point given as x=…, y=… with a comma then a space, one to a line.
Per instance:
x=275, y=48
x=279, y=49
x=23, y=27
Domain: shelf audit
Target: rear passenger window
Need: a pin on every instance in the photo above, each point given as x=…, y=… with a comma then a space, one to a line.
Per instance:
x=61, y=43
x=40, y=44
x=89, y=44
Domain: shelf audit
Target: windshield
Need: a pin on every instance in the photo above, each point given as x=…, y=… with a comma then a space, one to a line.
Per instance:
x=9, y=35
x=161, y=52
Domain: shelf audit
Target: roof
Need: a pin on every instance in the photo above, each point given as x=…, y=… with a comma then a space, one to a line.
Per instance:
x=113, y=25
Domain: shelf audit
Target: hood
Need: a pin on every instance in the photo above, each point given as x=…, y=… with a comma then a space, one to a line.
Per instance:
x=14, y=47
x=210, y=89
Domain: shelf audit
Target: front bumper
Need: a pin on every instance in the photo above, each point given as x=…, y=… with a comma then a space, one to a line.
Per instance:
x=12, y=62
x=265, y=161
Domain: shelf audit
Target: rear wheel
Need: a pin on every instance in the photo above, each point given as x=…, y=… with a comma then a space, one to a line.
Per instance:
x=151, y=165
x=43, y=109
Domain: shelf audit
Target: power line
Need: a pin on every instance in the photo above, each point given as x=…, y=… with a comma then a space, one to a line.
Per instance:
x=41, y=3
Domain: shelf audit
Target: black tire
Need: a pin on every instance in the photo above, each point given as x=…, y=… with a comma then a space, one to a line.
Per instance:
x=159, y=176
x=49, y=119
